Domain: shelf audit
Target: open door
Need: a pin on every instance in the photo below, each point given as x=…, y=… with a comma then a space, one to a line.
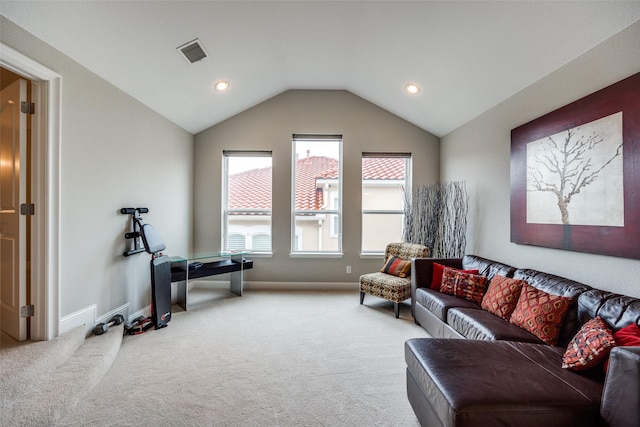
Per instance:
x=13, y=225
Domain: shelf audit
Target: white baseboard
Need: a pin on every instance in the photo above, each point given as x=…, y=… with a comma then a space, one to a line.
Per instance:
x=88, y=317
x=85, y=316
x=145, y=312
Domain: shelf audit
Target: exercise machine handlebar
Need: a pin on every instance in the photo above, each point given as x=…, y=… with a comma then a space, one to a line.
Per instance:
x=132, y=211
x=133, y=251
x=135, y=229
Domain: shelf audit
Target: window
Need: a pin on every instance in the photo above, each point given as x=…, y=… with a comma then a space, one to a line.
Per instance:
x=236, y=242
x=385, y=177
x=316, y=194
x=261, y=242
x=247, y=201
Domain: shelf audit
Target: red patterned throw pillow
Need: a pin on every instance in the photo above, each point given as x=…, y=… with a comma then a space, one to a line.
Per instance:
x=540, y=313
x=590, y=346
x=502, y=296
x=438, y=270
x=463, y=285
x=397, y=266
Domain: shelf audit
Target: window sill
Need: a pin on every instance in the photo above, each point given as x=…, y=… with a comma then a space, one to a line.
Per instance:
x=316, y=255
x=371, y=255
x=260, y=255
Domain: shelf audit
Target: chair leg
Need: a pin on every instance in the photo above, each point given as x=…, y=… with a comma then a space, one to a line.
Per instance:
x=396, y=308
x=361, y=297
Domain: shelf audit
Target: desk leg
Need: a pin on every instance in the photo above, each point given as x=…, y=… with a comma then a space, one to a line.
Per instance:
x=182, y=294
x=237, y=277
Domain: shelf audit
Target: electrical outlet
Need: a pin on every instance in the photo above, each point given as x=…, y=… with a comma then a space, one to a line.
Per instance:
x=348, y=269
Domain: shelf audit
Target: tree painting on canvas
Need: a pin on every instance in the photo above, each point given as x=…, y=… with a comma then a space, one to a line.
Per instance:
x=575, y=177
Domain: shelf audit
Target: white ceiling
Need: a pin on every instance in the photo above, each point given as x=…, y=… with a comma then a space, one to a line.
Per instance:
x=466, y=56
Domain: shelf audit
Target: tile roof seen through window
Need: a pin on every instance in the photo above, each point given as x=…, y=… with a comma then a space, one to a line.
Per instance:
x=308, y=170
x=378, y=168
x=252, y=189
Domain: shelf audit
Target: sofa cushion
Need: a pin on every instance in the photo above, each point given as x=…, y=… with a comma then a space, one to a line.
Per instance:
x=616, y=310
x=486, y=267
x=540, y=313
x=438, y=271
x=397, y=267
x=464, y=285
x=502, y=296
x=524, y=385
x=589, y=347
x=477, y=324
x=438, y=303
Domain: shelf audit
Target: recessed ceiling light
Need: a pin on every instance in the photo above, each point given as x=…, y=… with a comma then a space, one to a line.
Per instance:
x=222, y=85
x=412, y=88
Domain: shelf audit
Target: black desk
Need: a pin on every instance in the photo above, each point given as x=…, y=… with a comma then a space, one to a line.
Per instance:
x=213, y=264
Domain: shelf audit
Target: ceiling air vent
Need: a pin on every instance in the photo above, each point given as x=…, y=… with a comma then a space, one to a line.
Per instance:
x=193, y=51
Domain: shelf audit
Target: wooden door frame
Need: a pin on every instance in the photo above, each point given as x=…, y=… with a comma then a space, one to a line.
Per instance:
x=45, y=225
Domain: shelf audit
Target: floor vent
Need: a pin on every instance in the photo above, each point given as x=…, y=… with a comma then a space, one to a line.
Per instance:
x=193, y=51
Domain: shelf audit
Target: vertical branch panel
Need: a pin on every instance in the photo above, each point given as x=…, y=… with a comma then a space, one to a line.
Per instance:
x=436, y=217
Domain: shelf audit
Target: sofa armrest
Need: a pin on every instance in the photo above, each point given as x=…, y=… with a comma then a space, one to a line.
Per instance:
x=621, y=394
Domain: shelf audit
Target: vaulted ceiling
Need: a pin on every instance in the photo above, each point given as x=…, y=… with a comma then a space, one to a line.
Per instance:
x=465, y=56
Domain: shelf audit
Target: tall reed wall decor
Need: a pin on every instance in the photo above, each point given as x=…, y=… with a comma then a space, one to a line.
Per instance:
x=436, y=217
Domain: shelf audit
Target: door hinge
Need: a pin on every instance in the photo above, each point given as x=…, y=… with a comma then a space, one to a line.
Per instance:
x=28, y=107
x=27, y=209
x=27, y=311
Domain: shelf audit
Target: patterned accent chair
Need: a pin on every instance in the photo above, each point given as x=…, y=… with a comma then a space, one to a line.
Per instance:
x=388, y=286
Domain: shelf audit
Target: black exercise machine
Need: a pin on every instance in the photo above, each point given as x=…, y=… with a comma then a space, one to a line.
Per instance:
x=153, y=244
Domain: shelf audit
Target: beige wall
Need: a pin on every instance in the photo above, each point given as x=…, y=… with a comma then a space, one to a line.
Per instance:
x=479, y=152
x=269, y=126
x=115, y=152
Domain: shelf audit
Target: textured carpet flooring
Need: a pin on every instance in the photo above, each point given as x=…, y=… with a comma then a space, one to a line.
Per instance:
x=41, y=382
x=264, y=359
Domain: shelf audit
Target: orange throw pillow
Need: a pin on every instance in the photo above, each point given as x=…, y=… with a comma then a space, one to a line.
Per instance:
x=397, y=266
x=502, y=296
x=540, y=313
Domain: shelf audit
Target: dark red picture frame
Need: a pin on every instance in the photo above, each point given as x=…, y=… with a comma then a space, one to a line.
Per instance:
x=614, y=241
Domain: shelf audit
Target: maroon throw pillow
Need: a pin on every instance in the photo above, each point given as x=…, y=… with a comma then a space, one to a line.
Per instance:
x=438, y=269
x=502, y=296
x=463, y=285
x=589, y=347
x=540, y=313
x=629, y=336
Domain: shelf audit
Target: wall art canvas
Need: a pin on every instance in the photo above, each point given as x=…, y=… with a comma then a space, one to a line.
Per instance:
x=574, y=183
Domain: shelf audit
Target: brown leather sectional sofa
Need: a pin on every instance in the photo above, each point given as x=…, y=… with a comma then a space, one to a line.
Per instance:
x=502, y=375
